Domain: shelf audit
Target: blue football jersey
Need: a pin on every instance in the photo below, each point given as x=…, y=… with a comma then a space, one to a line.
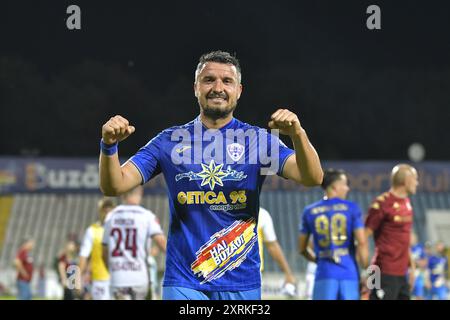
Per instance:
x=331, y=223
x=214, y=181
x=437, y=265
x=418, y=252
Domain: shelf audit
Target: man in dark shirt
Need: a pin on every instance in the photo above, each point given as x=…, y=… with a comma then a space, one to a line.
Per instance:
x=390, y=220
x=67, y=262
x=24, y=267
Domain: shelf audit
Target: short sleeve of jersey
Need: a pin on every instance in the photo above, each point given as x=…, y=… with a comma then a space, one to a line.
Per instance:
x=283, y=153
x=154, y=227
x=86, y=246
x=357, y=217
x=147, y=159
x=267, y=227
x=304, y=226
x=375, y=216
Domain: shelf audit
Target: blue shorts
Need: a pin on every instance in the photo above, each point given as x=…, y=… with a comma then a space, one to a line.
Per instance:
x=331, y=289
x=24, y=290
x=419, y=291
x=181, y=293
x=419, y=288
x=439, y=293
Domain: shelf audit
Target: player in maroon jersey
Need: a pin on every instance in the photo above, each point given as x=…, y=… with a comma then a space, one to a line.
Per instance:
x=390, y=220
x=24, y=266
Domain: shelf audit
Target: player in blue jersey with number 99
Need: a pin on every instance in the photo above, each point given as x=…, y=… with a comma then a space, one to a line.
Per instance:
x=335, y=224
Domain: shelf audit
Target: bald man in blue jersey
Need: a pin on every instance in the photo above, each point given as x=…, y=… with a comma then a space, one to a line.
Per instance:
x=214, y=167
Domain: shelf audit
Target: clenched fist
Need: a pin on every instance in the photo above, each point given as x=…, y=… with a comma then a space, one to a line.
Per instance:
x=116, y=129
x=285, y=121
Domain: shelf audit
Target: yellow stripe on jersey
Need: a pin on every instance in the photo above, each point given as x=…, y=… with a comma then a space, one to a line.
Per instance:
x=99, y=270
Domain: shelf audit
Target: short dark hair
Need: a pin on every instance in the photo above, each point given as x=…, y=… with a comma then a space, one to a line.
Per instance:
x=330, y=176
x=220, y=57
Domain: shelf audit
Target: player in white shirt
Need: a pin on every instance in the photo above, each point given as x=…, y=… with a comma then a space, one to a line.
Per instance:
x=152, y=264
x=125, y=246
x=310, y=276
x=268, y=237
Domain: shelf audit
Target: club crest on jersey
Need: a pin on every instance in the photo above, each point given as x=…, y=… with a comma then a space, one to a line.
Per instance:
x=212, y=175
x=235, y=151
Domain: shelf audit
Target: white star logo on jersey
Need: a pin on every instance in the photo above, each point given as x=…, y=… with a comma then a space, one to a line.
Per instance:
x=212, y=174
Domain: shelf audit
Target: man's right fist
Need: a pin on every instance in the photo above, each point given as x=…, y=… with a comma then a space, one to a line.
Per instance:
x=116, y=129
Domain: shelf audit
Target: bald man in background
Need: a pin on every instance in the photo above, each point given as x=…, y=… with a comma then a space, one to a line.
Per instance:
x=390, y=220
